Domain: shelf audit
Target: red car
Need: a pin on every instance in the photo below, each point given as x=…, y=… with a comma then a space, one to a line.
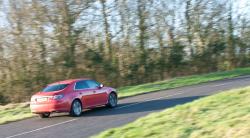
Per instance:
x=72, y=96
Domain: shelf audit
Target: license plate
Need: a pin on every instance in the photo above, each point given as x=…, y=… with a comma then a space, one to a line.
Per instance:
x=41, y=99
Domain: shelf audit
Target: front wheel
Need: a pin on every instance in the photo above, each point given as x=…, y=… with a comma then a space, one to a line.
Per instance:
x=76, y=108
x=112, y=100
x=44, y=115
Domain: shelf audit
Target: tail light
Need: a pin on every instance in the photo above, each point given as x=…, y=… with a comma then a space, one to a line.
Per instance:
x=58, y=97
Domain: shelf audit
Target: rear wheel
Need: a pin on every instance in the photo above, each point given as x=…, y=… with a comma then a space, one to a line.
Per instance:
x=112, y=101
x=76, y=108
x=44, y=115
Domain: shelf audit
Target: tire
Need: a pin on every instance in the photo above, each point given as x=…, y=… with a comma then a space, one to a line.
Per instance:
x=76, y=108
x=112, y=100
x=44, y=115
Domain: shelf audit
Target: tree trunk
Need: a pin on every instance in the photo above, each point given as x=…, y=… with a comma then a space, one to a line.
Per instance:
x=107, y=30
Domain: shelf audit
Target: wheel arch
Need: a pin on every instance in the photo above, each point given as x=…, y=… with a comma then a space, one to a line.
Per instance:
x=114, y=93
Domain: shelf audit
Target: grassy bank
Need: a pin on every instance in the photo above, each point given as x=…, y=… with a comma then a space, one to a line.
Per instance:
x=180, y=81
x=18, y=111
x=14, y=112
x=223, y=115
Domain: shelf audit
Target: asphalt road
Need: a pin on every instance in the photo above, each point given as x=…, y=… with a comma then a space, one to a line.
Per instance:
x=94, y=121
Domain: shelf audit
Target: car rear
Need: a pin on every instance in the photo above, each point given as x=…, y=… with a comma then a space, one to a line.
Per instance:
x=52, y=99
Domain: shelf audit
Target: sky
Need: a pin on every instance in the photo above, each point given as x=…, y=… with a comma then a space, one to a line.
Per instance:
x=241, y=6
x=244, y=6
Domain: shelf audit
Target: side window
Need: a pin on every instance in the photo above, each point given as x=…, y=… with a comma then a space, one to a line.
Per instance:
x=92, y=84
x=81, y=85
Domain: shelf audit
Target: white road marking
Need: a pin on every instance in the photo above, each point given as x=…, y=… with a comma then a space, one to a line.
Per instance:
x=239, y=81
x=147, y=100
x=221, y=84
x=27, y=132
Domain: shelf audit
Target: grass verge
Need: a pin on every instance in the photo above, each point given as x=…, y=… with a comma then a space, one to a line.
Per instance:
x=13, y=112
x=180, y=81
x=222, y=115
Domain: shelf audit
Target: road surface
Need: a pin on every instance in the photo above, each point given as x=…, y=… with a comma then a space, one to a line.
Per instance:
x=94, y=121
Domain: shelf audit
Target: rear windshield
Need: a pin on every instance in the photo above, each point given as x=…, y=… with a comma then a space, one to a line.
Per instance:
x=56, y=87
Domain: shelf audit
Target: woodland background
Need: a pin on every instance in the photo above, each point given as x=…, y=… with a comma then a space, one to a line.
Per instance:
x=117, y=42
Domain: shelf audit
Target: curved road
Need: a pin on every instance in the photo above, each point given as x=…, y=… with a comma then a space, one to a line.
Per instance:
x=94, y=121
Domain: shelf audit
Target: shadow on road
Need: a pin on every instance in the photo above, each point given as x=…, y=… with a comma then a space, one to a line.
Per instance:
x=146, y=106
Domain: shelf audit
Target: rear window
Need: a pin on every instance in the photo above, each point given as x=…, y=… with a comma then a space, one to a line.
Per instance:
x=56, y=87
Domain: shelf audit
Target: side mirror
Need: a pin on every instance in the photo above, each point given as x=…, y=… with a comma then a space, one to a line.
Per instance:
x=101, y=86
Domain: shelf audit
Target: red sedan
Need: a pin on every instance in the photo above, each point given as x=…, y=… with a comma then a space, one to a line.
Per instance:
x=72, y=96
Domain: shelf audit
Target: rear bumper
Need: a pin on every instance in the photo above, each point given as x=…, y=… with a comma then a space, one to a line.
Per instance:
x=49, y=107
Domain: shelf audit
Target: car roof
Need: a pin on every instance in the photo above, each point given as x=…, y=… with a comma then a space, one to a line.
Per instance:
x=68, y=81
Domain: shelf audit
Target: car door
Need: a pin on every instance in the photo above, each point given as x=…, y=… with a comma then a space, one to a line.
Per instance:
x=100, y=95
x=85, y=93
